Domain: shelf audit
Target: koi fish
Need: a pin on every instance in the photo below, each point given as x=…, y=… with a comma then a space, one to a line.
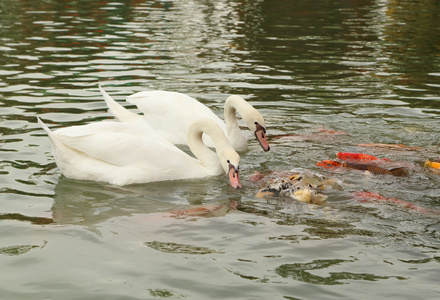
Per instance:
x=207, y=210
x=358, y=156
x=369, y=196
x=304, y=188
x=431, y=164
x=258, y=177
x=331, y=164
x=330, y=131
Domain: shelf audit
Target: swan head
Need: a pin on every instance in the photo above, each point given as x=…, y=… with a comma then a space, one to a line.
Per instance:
x=255, y=121
x=260, y=134
x=230, y=161
x=252, y=117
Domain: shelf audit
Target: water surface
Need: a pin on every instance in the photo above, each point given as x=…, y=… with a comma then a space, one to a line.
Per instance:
x=370, y=69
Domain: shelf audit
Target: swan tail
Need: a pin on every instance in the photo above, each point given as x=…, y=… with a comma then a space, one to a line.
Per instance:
x=48, y=131
x=120, y=112
x=56, y=143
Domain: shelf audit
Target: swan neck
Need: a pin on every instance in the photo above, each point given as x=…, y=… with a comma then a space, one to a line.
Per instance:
x=235, y=104
x=206, y=156
x=230, y=112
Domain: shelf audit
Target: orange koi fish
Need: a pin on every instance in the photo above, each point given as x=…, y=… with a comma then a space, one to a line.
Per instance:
x=431, y=164
x=356, y=156
x=369, y=196
x=330, y=164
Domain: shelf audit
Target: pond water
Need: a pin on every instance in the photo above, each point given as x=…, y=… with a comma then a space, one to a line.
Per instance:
x=369, y=68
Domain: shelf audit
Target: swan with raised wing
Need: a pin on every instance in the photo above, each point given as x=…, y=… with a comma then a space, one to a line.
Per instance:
x=171, y=114
x=120, y=153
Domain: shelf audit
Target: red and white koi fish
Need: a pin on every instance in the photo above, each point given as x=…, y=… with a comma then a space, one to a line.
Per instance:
x=369, y=196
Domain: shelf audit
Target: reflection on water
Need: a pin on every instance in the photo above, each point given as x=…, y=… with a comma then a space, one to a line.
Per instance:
x=18, y=250
x=366, y=69
x=87, y=203
x=300, y=272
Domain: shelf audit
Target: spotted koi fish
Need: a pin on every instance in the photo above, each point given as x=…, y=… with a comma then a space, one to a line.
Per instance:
x=331, y=164
x=357, y=156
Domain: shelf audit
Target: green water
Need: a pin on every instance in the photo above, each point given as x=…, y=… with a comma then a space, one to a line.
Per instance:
x=370, y=69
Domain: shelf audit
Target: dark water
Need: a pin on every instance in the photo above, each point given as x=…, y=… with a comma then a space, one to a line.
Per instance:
x=370, y=69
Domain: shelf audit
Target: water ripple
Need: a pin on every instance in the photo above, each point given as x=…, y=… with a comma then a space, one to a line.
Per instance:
x=307, y=66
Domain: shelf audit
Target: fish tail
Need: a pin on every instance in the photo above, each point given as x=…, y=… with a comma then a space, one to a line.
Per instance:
x=399, y=171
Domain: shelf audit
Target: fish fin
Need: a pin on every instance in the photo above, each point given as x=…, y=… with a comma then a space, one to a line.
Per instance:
x=400, y=171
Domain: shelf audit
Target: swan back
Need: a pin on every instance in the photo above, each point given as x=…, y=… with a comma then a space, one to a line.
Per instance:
x=171, y=113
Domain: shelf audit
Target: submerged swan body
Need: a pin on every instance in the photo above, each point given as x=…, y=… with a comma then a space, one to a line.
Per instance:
x=121, y=153
x=171, y=114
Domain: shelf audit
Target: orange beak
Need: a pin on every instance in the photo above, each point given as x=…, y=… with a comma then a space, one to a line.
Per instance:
x=260, y=134
x=233, y=177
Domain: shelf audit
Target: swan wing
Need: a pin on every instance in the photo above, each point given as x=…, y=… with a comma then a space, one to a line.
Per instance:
x=171, y=113
x=122, y=114
x=116, y=143
x=120, y=154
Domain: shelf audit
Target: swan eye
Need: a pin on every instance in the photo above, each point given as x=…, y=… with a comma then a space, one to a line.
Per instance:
x=228, y=161
x=259, y=127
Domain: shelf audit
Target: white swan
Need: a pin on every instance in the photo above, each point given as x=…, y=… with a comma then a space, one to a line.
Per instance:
x=121, y=153
x=171, y=114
